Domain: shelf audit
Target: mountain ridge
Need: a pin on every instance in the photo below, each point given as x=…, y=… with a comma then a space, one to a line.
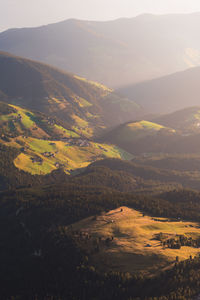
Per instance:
x=88, y=106
x=167, y=94
x=88, y=48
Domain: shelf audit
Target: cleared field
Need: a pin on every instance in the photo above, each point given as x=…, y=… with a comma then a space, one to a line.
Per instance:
x=44, y=156
x=25, y=122
x=143, y=128
x=82, y=126
x=124, y=240
x=46, y=146
x=134, y=131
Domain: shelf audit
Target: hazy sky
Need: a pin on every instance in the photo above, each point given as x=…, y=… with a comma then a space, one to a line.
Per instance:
x=22, y=13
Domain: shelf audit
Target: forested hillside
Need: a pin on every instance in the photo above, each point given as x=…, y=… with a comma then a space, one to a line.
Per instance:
x=87, y=106
x=39, y=218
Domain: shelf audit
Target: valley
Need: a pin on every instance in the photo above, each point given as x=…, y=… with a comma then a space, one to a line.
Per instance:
x=100, y=158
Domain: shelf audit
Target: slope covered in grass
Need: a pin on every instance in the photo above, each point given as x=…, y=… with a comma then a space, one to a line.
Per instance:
x=137, y=130
x=44, y=144
x=15, y=121
x=126, y=240
x=175, y=133
x=135, y=136
x=42, y=156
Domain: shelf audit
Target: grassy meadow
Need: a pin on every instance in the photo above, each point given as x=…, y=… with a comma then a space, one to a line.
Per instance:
x=134, y=247
x=70, y=157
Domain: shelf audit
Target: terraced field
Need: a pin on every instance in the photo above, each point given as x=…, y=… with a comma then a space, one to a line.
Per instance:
x=126, y=240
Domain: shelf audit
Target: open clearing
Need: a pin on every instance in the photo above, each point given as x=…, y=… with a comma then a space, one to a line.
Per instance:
x=131, y=245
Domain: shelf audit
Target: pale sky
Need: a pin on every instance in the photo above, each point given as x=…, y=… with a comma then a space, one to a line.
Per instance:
x=31, y=13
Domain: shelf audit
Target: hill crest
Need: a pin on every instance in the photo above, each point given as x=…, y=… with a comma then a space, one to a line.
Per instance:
x=85, y=105
x=109, y=49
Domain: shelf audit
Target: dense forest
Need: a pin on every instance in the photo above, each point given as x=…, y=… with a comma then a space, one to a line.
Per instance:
x=34, y=237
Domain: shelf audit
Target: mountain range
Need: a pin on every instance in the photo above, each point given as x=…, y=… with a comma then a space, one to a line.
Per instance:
x=167, y=94
x=116, y=53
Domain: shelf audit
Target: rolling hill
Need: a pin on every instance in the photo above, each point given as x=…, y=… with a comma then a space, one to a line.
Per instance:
x=140, y=137
x=167, y=94
x=87, y=106
x=186, y=120
x=16, y=121
x=44, y=144
x=116, y=52
x=125, y=240
x=173, y=133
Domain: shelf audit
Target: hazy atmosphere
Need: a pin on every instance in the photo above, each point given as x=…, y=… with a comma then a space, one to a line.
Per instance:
x=100, y=150
x=22, y=13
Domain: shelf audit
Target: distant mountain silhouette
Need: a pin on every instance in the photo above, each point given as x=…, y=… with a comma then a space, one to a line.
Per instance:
x=187, y=119
x=169, y=93
x=116, y=52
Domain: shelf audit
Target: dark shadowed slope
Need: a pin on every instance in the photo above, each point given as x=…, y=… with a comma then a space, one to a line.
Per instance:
x=141, y=137
x=178, y=132
x=88, y=106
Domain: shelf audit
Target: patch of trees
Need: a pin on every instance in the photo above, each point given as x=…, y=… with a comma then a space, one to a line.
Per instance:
x=90, y=243
x=5, y=109
x=177, y=241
